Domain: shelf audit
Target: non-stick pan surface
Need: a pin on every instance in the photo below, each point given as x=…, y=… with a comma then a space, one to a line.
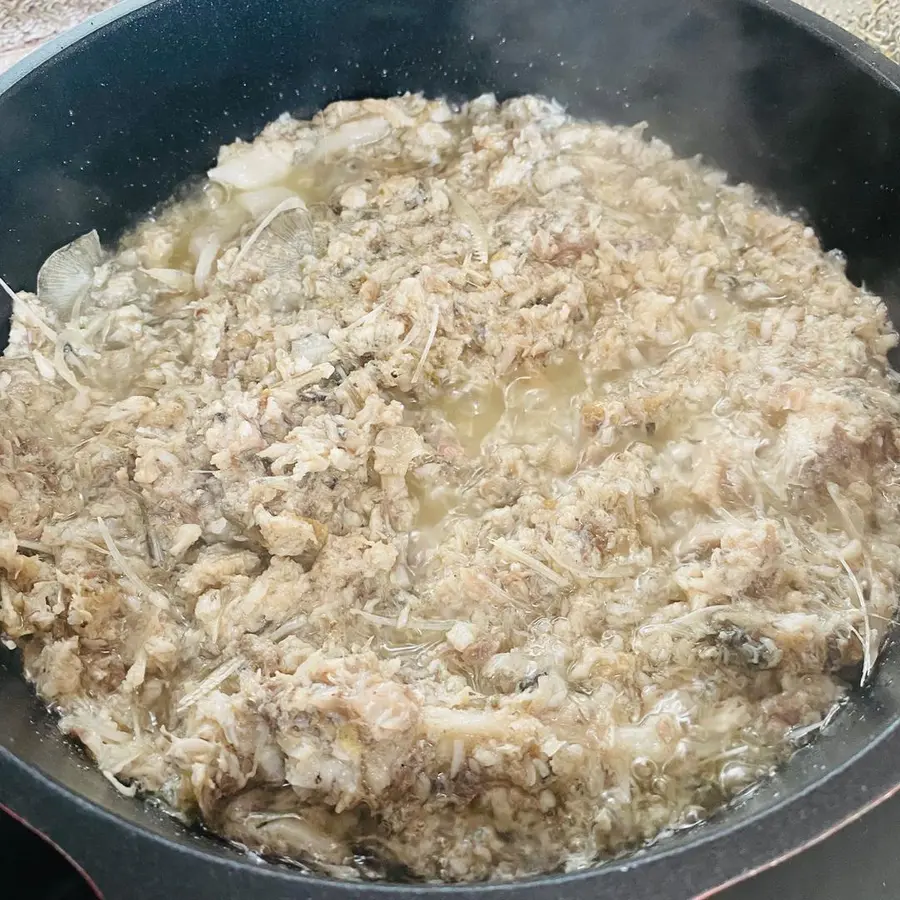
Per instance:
x=103, y=124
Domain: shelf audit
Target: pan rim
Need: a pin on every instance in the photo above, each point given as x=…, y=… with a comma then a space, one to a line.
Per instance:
x=884, y=744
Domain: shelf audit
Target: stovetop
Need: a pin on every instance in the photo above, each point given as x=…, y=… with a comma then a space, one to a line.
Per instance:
x=861, y=861
x=33, y=870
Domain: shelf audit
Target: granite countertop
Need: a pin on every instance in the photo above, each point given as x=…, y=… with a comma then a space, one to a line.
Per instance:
x=25, y=24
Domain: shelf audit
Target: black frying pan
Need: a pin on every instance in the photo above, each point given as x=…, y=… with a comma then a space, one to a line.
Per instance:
x=103, y=124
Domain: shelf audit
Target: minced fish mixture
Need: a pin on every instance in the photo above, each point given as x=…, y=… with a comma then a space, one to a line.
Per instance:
x=448, y=493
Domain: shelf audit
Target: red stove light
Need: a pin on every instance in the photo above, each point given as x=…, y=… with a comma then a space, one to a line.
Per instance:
x=54, y=848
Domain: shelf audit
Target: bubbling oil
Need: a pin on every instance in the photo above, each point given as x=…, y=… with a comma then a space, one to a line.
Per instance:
x=544, y=409
x=534, y=404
